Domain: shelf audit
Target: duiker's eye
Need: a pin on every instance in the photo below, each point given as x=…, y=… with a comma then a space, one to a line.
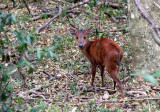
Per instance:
x=77, y=38
x=84, y=37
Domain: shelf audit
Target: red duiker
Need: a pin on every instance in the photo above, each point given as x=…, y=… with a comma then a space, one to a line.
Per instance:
x=103, y=53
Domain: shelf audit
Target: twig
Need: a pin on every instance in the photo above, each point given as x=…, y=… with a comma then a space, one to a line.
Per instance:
x=66, y=9
x=47, y=14
x=47, y=23
x=3, y=6
x=4, y=88
x=126, y=79
x=136, y=93
x=154, y=27
x=49, y=75
x=48, y=9
x=13, y=71
x=116, y=30
x=25, y=96
x=113, y=18
x=27, y=7
x=156, y=89
x=156, y=4
x=92, y=89
x=114, y=5
x=122, y=101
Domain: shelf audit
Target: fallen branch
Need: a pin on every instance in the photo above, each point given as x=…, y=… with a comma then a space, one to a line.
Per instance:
x=47, y=14
x=156, y=89
x=113, y=18
x=4, y=89
x=25, y=2
x=35, y=92
x=116, y=30
x=114, y=5
x=96, y=89
x=3, y=6
x=136, y=93
x=61, y=10
x=50, y=76
x=123, y=101
x=126, y=79
x=47, y=23
x=154, y=27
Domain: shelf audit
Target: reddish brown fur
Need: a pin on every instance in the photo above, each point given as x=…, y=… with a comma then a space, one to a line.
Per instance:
x=102, y=52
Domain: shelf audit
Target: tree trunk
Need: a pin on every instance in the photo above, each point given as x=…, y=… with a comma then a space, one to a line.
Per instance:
x=146, y=53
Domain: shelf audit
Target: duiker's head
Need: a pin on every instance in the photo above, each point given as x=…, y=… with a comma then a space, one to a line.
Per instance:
x=81, y=36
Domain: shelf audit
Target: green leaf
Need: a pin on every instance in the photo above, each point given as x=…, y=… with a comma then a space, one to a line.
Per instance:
x=112, y=13
x=1, y=66
x=39, y=53
x=6, y=37
x=4, y=18
x=3, y=98
x=5, y=77
x=13, y=18
x=22, y=48
x=102, y=36
x=150, y=79
x=50, y=51
x=95, y=2
x=102, y=13
x=31, y=70
x=64, y=13
x=91, y=6
x=2, y=54
x=29, y=41
x=44, y=16
x=10, y=88
x=19, y=100
x=54, y=27
x=157, y=74
x=1, y=42
x=97, y=32
x=9, y=21
x=55, y=56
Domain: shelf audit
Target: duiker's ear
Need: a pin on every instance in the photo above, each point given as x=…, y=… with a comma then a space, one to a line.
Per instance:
x=72, y=31
x=89, y=31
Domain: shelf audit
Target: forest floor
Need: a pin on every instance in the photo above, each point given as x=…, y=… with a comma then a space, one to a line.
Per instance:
x=63, y=83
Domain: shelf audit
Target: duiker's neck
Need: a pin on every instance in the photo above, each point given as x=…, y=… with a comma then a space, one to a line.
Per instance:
x=85, y=49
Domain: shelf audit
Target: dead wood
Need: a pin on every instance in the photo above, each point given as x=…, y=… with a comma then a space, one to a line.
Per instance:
x=96, y=89
x=126, y=79
x=48, y=22
x=48, y=74
x=123, y=101
x=61, y=10
x=154, y=27
x=156, y=89
x=136, y=93
x=47, y=14
x=111, y=16
x=35, y=92
x=25, y=2
x=116, y=30
x=3, y=6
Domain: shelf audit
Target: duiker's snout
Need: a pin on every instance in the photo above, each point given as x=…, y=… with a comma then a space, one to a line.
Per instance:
x=80, y=45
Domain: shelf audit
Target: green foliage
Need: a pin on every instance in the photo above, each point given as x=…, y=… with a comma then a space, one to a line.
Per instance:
x=23, y=43
x=102, y=36
x=40, y=107
x=148, y=77
x=97, y=33
x=90, y=6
